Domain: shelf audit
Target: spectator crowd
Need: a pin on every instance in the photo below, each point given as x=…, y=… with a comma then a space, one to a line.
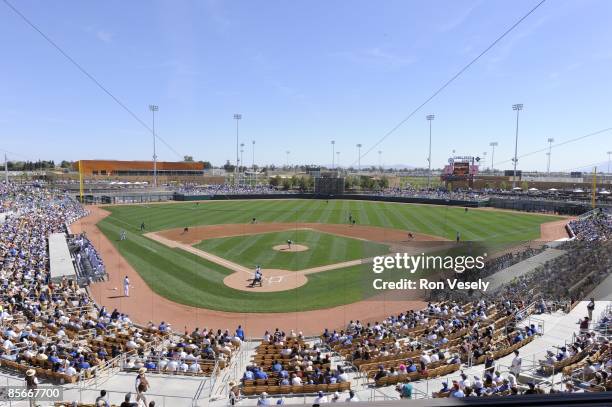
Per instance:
x=52, y=330
x=596, y=226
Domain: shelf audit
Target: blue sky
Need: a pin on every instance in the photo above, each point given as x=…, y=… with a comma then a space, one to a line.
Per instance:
x=303, y=73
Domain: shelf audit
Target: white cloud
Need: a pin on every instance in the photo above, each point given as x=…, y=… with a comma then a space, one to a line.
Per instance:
x=104, y=36
x=458, y=20
x=180, y=67
x=377, y=56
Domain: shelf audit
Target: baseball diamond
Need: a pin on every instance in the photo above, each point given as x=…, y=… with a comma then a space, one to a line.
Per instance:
x=178, y=271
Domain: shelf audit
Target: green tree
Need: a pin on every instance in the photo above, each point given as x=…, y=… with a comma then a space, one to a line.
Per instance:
x=275, y=181
x=305, y=183
x=383, y=182
x=286, y=183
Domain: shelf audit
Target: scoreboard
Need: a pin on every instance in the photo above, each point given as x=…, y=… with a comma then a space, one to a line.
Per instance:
x=461, y=169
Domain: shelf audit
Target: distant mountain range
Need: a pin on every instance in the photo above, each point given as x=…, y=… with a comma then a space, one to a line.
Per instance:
x=385, y=166
x=602, y=167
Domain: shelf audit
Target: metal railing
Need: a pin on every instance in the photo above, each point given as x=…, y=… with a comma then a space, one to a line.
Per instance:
x=88, y=395
x=377, y=394
x=102, y=374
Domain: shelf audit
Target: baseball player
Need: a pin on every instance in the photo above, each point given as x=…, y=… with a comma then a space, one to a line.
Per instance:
x=126, y=287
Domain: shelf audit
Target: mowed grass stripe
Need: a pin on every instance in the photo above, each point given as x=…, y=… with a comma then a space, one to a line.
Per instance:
x=398, y=220
x=469, y=230
x=364, y=219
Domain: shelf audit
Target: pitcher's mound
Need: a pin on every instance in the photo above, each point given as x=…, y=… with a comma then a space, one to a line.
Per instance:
x=294, y=248
x=273, y=280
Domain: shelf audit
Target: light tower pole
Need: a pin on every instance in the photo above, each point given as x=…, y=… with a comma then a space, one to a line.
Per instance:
x=242, y=154
x=550, y=141
x=338, y=159
x=253, y=155
x=153, y=109
x=429, y=118
x=380, y=159
x=493, y=144
x=609, y=154
x=287, y=152
x=358, y=157
x=333, y=143
x=518, y=107
x=237, y=117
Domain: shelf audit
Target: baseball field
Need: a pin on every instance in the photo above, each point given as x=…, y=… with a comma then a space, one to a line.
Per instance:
x=203, y=254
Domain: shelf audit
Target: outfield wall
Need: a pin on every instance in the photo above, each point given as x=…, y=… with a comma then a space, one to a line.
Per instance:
x=358, y=197
x=526, y=204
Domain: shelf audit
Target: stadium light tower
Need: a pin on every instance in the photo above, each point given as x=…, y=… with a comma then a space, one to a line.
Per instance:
x=550, y=141
x=253, y=155
x=338, y=159
x=609, y=154
x=359, y=157
x=429, y=118
x=493, y=144
x=380, y=159
x=153, y=109
x=242, y=154
x=333, y=144
x=518, y=107
x=237, y=117
x=287, y=152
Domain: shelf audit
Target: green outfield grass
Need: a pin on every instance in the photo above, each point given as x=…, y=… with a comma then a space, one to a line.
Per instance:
x=188, y=279
x=323, y=249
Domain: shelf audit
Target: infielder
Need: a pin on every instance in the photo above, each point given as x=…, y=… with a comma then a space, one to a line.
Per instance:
x=126, y=287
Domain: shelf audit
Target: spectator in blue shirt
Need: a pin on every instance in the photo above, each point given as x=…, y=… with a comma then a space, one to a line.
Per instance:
x=263, y=400
x=240, y=333
x=456, y=391
x=518, y=337
x=405, y=390
x=260, y=374
x=248, y=375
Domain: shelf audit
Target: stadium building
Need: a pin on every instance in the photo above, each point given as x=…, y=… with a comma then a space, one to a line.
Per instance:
x=109, y=168
x=133, y=171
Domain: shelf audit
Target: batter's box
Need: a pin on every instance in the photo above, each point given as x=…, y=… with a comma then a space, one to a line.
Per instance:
x=275, y=279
